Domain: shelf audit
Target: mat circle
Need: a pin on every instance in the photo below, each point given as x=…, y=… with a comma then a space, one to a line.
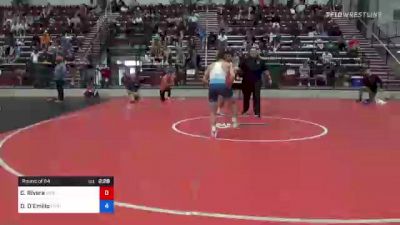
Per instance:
x=324, y=131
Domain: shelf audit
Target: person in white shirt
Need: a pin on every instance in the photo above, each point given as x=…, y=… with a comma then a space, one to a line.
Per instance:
x=320, y=45
x=35, y=56
x=311, y=33
x=326, y=57
x=249, y=11
x=14, y=27
x=138, y=20
x=222, y=40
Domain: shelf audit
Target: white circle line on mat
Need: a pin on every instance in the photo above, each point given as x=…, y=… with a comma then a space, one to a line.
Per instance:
x=14, y=172
x=323, y=129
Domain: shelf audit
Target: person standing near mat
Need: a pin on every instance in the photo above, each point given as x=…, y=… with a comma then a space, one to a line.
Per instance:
x=219, y=76
x=253, y=69
x=60, y=72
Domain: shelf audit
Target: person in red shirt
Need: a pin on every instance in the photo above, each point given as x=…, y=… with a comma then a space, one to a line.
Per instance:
x=354, y=43
x=105, y=77
x=167, y=81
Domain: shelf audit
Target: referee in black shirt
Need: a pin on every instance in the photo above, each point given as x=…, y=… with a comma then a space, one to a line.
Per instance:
x=253, y=69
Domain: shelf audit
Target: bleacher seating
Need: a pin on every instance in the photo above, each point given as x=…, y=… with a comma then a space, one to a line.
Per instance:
x=56, y=24
x=258, y=24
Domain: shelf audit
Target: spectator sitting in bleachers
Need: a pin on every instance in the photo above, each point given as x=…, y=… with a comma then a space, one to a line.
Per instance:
x=326, y=57
x=222, y=40
x=239, y=15
x=304, y=71
x=212, y=39
x=35, y=56
x=14, y=27
x=319, y=44
x=19, y=28
x=276, y=41
x=354, y=43
x=45, y=57
x=249, y=35
x=296, y=42
x=354, y=47
x=137, y=20
x=192, y=24
x=25, y=26
x=315, y=7
x=114, y=6
x=49, y=9
x=18, y=46
x=53, y=48
x=276, y=20
x=314, y=57
x=75, y=21
x=35, y=41
x=8, y=20
x=52, y=21
x=263, y=45
x=319, y=18
x=332, y=48
x=250, y=12
x=157, y=50
x=270, y=37
x=45, y=39
x=28, y=19
x=341, y=43
x=222, y=25
x=66, y=44
x=122, y=6
x=300, y=8
x=311, y=32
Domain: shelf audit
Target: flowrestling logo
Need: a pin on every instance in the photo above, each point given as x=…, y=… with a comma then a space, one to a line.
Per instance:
x=369, y=15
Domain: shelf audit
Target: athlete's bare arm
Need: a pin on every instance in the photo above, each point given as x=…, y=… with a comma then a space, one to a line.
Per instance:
x=230, y=71
x=206, y=76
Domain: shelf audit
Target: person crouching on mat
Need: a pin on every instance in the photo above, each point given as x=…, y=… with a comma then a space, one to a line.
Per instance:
x=132, y=85
x=167, y=81
x=219, y=76
x=370, y=85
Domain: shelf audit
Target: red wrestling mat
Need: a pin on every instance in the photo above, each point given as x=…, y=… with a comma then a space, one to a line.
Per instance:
x=304, y=161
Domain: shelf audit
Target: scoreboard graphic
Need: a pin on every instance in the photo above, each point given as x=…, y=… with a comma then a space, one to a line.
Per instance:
x=66, y=194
